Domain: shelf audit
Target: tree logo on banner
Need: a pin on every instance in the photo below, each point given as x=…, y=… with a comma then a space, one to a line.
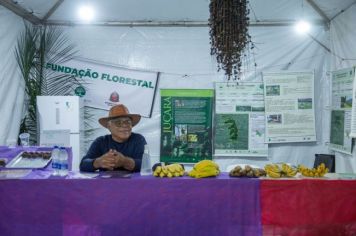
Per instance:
x=80, y=91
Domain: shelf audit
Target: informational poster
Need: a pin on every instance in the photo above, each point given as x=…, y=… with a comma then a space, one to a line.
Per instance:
x=353, y=114
x=106, y=86
x=239, y=119
x=289, y=105
x=341, y=107
x=186, y=125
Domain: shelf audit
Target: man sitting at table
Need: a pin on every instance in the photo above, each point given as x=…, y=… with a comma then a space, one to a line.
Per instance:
x=120, y=150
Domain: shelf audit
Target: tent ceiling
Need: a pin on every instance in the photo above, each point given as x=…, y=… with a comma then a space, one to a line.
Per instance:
x=262, y=11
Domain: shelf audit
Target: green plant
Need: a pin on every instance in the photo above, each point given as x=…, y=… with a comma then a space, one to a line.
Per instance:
x=36, y=46
x=229, y=37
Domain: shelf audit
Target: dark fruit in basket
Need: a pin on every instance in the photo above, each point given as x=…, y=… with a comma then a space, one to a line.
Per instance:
x=2, y=163
x=46, y=155
x=155, y=166
x=25, y=154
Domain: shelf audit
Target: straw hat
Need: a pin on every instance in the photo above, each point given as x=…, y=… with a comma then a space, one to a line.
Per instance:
x=119, y=111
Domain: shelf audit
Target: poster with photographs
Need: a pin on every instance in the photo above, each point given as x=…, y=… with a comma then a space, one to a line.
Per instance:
x=341, y=108
x=289, y=107
x=186, y=125
x=239, y=119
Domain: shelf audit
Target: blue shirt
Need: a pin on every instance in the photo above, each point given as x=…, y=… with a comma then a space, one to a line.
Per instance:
x=133, y=148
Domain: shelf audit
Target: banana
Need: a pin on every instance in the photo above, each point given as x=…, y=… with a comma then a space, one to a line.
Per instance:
x=272, y=167
x=291, y=172
x=165, y=170
x=274, y=174
x=280, y=170
x=159, y=169
x=204, y=163
x=204, y=168
x=285, y=168
x=172, y=170
x=319, y=171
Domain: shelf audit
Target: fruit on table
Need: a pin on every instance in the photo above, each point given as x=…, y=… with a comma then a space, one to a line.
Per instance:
x=320, y=171
x=247, y=171
x=172, y=170
x=280, y=170
x=204, y=168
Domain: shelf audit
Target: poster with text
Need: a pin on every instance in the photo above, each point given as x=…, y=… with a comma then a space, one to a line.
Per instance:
x=353, y=111
x=341, y=107
x=186, y=125
x=239, y=119
x=289, y=107
x=105, y=86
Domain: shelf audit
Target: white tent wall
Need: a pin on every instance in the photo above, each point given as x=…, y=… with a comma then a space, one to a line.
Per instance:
x=182, y=55
x=11, y=84
x=343, y=45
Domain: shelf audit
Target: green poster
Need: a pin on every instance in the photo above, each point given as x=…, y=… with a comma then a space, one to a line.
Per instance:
x=186, y=125
x=232, y=131
x=337, y=127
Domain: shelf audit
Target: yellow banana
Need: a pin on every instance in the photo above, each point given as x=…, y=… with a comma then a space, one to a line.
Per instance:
x=204, y=163
x=273, y=174
x=158, y=169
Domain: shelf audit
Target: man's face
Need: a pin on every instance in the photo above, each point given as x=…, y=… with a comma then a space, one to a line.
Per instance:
x=120, y=128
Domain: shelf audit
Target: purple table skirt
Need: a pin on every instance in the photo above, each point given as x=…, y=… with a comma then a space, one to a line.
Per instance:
x=135, y=206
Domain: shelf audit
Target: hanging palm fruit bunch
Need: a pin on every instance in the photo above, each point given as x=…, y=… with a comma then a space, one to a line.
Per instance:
x=229, y=35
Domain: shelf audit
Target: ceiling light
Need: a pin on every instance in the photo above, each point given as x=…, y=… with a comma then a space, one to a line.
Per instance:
x=86, y=13
x=302, y=27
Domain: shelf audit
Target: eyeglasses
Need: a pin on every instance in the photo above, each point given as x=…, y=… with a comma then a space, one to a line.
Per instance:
x=121, y=123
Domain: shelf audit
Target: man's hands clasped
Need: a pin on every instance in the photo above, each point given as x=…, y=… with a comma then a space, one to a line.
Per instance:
x=111, y=160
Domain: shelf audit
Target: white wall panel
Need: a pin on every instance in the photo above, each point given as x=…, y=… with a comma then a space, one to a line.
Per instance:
x=11, y=84
x=182, y=55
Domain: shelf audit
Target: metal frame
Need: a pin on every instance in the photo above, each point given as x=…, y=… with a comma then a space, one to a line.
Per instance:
x=29, y=16
x=320, y=12
x=20, y=11
x=52, y=10
x=171, y=23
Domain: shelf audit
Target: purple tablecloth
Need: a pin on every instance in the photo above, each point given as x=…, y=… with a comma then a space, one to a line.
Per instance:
x=10, y=153
x=135, y=206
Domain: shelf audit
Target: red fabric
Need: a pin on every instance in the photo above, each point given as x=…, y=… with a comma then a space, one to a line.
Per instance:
x=308, y=207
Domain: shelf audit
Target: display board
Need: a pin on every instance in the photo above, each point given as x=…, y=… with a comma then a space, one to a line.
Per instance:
x=239, y=119
x=353, y=110
x=106, y=85
x=186, y=125
x=341, y=107
x=289, y=107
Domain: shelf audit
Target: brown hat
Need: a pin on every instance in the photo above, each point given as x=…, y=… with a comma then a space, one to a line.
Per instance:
x=119, y=111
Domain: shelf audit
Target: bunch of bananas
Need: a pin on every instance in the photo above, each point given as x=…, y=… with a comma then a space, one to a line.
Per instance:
x=204, y=168
x=278, y=171
x=172, y=170
x=320, y=171
x=247, y=171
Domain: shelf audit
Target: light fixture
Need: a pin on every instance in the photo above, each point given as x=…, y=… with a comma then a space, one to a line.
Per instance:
x=86, y=13
x=302, y=27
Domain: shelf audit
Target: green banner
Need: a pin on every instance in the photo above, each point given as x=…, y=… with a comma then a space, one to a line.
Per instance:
x=186, y=125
